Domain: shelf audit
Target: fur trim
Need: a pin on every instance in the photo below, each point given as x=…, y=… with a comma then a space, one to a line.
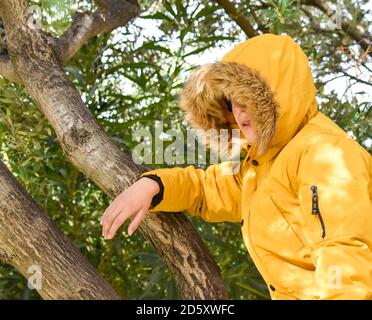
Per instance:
x=204, y=92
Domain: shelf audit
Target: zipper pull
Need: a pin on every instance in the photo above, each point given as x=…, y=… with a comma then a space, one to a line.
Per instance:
x=315, y=202
x=315, y=208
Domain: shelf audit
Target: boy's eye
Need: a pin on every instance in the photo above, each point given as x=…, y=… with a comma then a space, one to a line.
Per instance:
x=228, y=104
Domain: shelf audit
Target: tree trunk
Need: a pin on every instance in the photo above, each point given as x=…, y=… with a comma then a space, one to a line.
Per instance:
x=28, y=239
x=37, y=61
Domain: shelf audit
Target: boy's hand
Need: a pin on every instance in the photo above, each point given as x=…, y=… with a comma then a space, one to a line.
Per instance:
x=133, y=202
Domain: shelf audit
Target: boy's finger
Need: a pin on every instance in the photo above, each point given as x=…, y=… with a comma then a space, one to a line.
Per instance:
x=107, y=212
x=112, y=207
x=136, y=221
x=116, y=224
x=108, y=221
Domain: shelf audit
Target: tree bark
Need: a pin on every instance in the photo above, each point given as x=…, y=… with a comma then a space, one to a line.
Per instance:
x=37, y=61
x=28, y=238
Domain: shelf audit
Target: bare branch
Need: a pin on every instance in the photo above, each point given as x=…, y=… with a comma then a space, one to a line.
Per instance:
x=365, y=66
x=110, y=15
x=355, y=78
x=260, y=26
x=242, y=21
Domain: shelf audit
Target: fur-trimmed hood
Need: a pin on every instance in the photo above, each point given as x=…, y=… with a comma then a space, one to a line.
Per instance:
x=268, y=73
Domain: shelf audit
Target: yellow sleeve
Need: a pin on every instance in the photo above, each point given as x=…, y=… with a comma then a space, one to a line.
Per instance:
x=334, y=183
x=213, y=194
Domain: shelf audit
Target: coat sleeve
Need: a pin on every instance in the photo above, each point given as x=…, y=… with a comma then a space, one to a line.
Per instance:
x=335, y=198
x=213, y=194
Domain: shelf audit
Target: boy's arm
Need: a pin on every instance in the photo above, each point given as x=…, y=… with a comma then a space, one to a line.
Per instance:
x=211, y=194
x=337, y=218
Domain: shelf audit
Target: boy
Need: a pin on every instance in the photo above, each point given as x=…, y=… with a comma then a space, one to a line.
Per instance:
x=303, y=191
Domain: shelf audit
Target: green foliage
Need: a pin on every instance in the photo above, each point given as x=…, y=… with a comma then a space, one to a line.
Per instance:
x=131, y=78
x=279, y=13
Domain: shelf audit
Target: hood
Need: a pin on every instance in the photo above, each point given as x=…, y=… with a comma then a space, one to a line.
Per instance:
x=270, y=74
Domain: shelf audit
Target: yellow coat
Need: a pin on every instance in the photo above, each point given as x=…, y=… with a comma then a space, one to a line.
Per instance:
x=303, y=192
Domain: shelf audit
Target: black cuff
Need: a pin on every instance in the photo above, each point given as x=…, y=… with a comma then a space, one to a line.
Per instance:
x=159, y=196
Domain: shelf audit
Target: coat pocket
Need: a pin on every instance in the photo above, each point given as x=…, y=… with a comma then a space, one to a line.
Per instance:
x=333, y=208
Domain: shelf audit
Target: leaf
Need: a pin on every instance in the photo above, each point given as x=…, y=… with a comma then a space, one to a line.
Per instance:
x=183, y=33
x=251, y=289
x=214, y=38
x=91, y=92
x=198, y=50
x=181, y=10
x=7, y=100
x=153, y=46
x=76, y=74
x=169, y=8
x=157, y=16
x=24, y=163
x=205, y=12
x=133, y=65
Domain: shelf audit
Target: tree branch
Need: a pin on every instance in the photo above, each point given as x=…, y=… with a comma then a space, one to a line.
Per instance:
x=29, y=238
x=242, y=21
x=260, y=26
x=110, y=15
x=354, y=77
x=363, y=39
x=7, y=70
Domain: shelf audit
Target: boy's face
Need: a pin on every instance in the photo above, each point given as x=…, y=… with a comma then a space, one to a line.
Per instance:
x=244, y=122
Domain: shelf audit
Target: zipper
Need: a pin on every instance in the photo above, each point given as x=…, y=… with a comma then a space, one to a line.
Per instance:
x=315, y=208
